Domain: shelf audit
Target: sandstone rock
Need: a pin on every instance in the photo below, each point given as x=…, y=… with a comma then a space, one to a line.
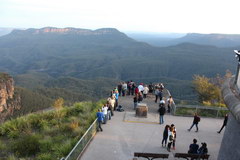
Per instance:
x=8, y=101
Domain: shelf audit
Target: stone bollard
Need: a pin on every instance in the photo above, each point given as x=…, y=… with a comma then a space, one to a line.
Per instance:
x=141, y=110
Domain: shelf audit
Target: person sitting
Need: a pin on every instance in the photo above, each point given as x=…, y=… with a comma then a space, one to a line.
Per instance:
x=203, y=149
x=193, y=148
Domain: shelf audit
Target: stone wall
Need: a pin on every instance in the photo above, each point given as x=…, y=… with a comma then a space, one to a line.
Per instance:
x=230, y=148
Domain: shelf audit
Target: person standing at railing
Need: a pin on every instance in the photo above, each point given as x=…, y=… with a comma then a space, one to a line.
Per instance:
x=224, y=122
x=111, y=103
x=100, y=118
x=105, y=113
x=169, y=101
x=196, y=120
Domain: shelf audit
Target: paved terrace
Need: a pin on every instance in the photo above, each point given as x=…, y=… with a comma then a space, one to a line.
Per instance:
x=126, y=134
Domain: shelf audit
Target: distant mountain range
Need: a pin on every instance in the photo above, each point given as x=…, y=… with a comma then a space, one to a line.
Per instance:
x=163, y=40
x=108, y=53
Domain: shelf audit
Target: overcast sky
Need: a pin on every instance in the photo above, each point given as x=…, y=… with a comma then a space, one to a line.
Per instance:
x=179, y=16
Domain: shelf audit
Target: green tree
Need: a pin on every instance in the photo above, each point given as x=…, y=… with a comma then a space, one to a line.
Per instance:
x=207, y=91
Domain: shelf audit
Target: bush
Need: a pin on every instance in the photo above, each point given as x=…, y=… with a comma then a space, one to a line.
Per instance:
x=26, y=145
x=63, y=149
x=12, y=157
x=44, y=156
x=46, y=135
x=45, y=144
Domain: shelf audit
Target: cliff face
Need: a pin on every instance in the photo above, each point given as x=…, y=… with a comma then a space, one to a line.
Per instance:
x=8, y=101
x=76, y=31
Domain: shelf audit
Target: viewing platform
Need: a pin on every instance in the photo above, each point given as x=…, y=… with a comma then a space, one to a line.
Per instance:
x=126, y=134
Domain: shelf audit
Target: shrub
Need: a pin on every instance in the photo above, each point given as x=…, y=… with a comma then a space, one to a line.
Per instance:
x=26, y=145
x=45, y=144
x=12, y=157
x=63, y=149
x=44, y=156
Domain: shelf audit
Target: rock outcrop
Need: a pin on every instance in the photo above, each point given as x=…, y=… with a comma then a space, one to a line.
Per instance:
x=76, y=31
x=8, y=101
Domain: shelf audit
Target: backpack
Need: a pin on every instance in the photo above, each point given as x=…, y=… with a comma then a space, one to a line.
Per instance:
x=120, y=108
x=198, y=119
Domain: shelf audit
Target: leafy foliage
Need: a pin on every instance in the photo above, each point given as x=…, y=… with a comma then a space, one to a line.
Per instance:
x=208, y=93
x=40, y=136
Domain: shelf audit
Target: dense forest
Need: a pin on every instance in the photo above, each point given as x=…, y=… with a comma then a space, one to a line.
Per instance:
x=85, y=63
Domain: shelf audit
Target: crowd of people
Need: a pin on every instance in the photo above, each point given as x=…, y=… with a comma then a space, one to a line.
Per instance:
x=140, y=92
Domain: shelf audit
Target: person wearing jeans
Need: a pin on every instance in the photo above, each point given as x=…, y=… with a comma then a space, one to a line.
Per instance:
x=196, y=119
x=100, y=117
x=162, y=111
x=105, y=113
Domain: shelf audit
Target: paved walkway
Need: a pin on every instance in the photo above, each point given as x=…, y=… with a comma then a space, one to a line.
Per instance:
x=121, y=137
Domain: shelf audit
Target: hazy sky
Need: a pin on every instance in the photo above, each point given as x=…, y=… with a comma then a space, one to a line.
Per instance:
x=201, y=16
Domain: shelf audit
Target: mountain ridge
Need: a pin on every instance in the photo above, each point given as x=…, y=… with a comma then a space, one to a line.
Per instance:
x=67, y=30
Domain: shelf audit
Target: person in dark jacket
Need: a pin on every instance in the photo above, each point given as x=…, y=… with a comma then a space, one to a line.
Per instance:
x=196, y=119
x=161, y=111
x=203, y=149
x=160, y=95
x=120, y=89
x=224, y=122
x=193, y=148
x=165, y=135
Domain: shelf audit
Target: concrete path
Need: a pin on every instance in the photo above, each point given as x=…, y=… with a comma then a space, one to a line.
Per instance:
x=121, y=137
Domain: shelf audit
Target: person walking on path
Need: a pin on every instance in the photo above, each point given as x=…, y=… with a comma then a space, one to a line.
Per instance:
x=100, y=117
x=193, y=148
x=165, y=135
x=224, y=123
x=161, y=111
x=175, y=135
x=196, y=120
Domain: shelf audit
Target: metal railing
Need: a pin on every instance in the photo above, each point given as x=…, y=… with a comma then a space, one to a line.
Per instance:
x=189, y=110
x=173, y=105
x=79, y=148
x=207, y=111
